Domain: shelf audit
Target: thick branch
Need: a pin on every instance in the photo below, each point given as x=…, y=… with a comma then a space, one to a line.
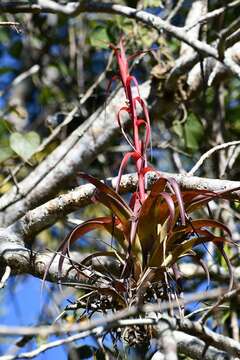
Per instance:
x=22, y=260
x=74, y=154
x=79, y=150
x=74, y=9
x=194, y=348
x=47, y=214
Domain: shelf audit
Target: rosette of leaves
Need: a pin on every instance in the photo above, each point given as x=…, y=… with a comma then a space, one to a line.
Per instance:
x=147, y=245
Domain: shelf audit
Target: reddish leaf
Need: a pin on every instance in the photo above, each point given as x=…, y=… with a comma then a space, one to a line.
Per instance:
x=178, y=194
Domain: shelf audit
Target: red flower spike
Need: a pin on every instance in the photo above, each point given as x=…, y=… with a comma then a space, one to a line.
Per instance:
x=138, y=145
x=122, y=62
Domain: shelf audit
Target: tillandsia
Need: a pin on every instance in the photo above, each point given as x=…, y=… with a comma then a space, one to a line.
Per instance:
x=151, y=233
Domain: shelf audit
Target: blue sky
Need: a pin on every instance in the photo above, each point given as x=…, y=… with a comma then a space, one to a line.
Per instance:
x=21, y=305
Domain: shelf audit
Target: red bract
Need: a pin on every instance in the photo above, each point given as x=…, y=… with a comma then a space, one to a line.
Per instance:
x=139, y=144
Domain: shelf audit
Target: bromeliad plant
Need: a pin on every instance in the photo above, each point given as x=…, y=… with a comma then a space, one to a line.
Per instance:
x=152, y=232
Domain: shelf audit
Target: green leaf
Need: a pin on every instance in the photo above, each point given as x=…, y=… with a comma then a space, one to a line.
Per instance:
x=5, y=153
x=177, y=128
x=6, y=69
x=99, y=37
x=16, y=48
x=193, y=131
x=24, y=144
x=152, y=3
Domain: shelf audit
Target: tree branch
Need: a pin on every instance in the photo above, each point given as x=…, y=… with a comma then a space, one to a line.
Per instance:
x=15, y=255
x=207, y=154
x=47, y=214
x=194, y=348
x=121, y=319
x=75, y=8
x=213, y=14
x=73, y=154
x=186, y=344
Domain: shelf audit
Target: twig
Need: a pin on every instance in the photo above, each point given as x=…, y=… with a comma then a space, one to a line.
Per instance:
x=225, y=34
x=209, y=153
x=18, y=79
x=198, y=311
x=229, y=295
x=5, y=277
x=213, y=14
x=9, y=23
x=175, y=10
x=50, y=345
x=119, y=319
x=233, y=38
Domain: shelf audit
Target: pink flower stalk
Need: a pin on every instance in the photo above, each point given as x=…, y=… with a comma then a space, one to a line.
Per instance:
x=139, y=144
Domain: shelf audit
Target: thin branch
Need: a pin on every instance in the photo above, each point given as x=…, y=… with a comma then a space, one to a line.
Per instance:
x=175, y=10
x=119, y=319
x=74, y=9
x=9, y=23
x=207, y=154
x=21, y=77
x=51, y=345
x=5, y=277
x=225, y=34
x=126, y=317
x=213, y=14
x=233, y=38
x=226, y=297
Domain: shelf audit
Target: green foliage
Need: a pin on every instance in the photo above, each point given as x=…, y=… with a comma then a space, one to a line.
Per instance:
x=24, y=144
x=5, y=150
x=5, y=153
x=193, y=132
x=6, y=69
x=190, y=133
x=99, y=37
x=16, y=48
x=152, y=3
